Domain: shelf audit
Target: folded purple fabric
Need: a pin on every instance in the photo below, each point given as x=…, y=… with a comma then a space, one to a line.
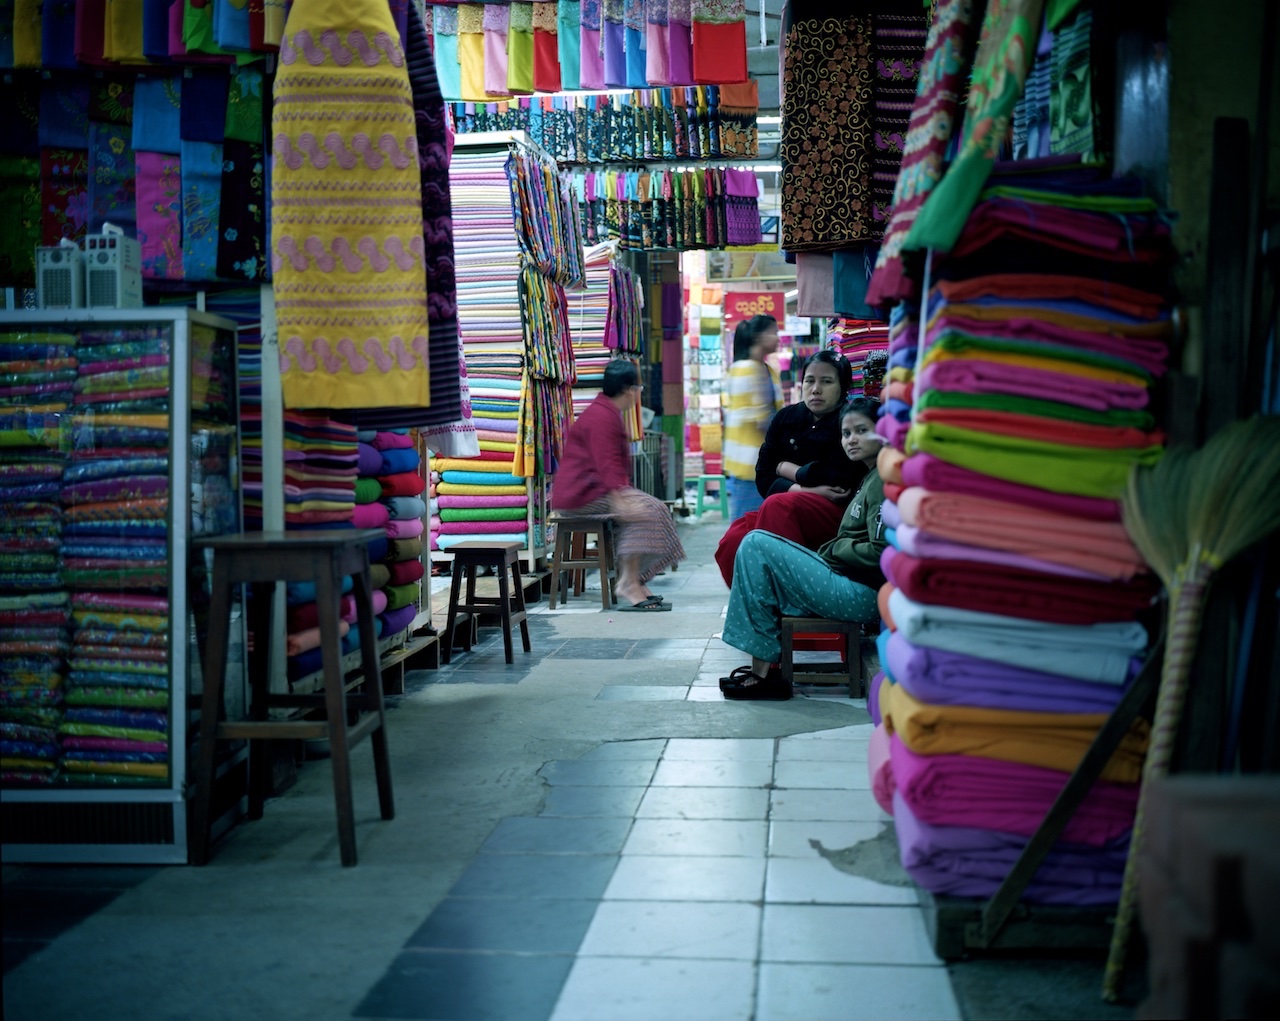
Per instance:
x=939, y=677
x=1011, y=797
x=968, y=862
x=395, y=621
x=370, y=460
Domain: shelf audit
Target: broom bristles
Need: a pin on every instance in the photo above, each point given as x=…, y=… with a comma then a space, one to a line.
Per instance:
x=1235, y=500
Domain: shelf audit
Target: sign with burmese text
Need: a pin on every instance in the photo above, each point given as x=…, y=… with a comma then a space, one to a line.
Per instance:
x=740, y=305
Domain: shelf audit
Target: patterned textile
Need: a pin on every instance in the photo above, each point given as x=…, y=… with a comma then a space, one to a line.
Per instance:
x=160, y=215
x=719, y=41
x=942, y=77
x=157, y=119
x=646, y=533
x=112, y=175
x=64, y=194
x=241, y=224
x=898, y=42
x=826, y=175
x=1071, y=95
x=343, y=204
x=201, y=168
x=1005, y=51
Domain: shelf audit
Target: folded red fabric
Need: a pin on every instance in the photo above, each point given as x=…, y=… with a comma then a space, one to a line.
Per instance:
x=1014, y=592
x=307, y=615
x=404, y=484
x=406, y=572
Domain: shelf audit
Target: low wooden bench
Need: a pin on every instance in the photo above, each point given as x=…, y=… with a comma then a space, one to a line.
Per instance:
x=571, y=529
x=847, y=671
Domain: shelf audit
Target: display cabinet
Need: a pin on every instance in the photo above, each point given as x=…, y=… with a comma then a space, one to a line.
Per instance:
x=118, y=445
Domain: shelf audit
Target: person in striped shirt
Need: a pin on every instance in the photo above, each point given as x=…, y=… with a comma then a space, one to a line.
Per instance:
x=752, y=395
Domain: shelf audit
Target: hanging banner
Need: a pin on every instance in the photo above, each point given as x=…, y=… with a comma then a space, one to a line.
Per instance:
x=740, y=305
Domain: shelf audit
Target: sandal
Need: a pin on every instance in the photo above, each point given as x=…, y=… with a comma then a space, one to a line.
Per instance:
x=743, y=673
x=765, y=689
x=651, y=605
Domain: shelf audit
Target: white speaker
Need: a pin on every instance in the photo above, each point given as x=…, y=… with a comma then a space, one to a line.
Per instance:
x=113, y=269
x=60, y=276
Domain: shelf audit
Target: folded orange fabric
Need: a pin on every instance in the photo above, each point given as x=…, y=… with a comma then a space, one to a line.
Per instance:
x=882, y=603
x=889, y=464
x=1101, y=547
x=303, y=641
x=1050, y=740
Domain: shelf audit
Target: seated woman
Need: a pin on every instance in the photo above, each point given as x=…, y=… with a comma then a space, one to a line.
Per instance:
x=801, y=470
x=594, y=480
x=775, y=577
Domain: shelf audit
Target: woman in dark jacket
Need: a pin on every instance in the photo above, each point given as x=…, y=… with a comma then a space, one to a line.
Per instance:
x=802, y=471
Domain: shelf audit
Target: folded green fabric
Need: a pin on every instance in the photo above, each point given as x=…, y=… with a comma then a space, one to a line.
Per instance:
x=401, y=595
x=1059, y=468
x=485, y=514
x=1032, y=406
x=368, y=490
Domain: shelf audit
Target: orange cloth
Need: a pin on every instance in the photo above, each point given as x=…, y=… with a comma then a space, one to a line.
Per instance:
x=882, y=603
x=889, y=464
x=1050, y=740
x=1102, y=547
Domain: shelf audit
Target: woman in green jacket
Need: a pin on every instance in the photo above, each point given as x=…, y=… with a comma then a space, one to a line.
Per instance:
x=774, y=577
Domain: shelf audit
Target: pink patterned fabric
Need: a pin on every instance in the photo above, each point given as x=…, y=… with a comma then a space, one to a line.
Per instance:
x=159, y=211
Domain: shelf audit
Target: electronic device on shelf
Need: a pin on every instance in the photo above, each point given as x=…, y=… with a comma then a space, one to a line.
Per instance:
x=60, y=276
x=113, y=269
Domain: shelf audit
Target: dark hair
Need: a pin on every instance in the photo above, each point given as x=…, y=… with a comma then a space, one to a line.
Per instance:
x=618, y=375
x=836, y=360
x=744, y=336
x=868, y=407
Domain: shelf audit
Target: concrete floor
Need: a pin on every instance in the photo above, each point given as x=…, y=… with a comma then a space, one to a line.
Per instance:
x=589, y=833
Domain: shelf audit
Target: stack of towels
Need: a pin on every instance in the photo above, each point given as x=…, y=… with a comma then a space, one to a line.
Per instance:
x=1017, y=605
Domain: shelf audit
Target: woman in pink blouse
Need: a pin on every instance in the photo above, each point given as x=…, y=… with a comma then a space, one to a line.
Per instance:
x=594, y=480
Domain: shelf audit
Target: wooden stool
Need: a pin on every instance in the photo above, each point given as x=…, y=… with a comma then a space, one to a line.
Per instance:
x=601, y=556
x=260, y=560
x=467, y=557
x=722, y=493
x=848, y=671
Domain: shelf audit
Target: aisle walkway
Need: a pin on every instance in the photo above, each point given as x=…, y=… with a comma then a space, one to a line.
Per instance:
x=589, y=833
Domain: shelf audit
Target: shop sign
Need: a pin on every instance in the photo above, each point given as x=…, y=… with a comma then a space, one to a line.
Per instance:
x=740, y=305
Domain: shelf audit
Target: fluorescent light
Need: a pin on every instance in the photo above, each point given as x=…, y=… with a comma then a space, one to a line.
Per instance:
x=768, y=120
x=792, y=294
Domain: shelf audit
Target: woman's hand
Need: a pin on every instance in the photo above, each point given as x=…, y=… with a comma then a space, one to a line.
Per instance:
x=836, y=494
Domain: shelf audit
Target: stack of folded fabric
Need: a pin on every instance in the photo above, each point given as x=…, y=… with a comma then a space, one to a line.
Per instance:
x=1016, y=601
x=37, y=377
x=249, y=376
x=320, y=466
x=588, y=319
x=115, y=560
x=856, y=339
x=116, y=727
x=401, y=501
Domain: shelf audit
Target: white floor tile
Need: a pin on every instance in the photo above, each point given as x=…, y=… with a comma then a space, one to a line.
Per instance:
x=715, y=930
x=704, y=803
x=797, y=881
x=657, y=877
x=791, y=749
x=823, y=934
x=855, y=732
x=852, y=992
x=730, y=749
x=843, y=806
x=730, y=838
x=613, y=989
x=699, y=692
x=821, y=775
x=796, y=839
x=713, y=774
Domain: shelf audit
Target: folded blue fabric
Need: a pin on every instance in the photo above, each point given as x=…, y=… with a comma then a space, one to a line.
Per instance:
x=399, y=459
x=299, y=592
x=403, y=507
x=481, y=479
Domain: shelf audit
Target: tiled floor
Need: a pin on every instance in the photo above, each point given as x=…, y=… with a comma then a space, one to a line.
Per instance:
x=678, y=879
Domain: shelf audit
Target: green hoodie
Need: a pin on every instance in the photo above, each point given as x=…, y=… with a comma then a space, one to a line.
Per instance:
x=855, y=551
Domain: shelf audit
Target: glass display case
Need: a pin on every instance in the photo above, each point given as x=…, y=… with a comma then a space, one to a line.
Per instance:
x=118, y=445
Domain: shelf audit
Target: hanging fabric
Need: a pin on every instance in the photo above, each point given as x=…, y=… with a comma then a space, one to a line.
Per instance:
x=719, y=41
x=357, y=346
x=569, y=42
x=520, y=52
x=546, y=47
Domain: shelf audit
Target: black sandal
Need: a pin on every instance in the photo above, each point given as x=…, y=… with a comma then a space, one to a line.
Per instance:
x=771, y=688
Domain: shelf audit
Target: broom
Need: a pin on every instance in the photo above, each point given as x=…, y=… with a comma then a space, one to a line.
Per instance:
x=1189, y=516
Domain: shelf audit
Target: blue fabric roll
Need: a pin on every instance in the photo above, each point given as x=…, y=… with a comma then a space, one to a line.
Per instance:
x=399, y=459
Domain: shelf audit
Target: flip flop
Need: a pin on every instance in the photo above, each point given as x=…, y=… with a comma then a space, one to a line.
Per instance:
x=742, y=673
x=646, y=606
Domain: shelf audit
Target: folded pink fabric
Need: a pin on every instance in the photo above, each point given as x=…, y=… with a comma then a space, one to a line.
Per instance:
x=931, y=473
x=392, y=441
x=1103, y=547
x=921, y=543
x=408, y=528
x=379, y=600
x=370, y=515
x=476, y=527
x=977, y=376
x=465, y=502
x=1010, y=797
x=880, y=768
